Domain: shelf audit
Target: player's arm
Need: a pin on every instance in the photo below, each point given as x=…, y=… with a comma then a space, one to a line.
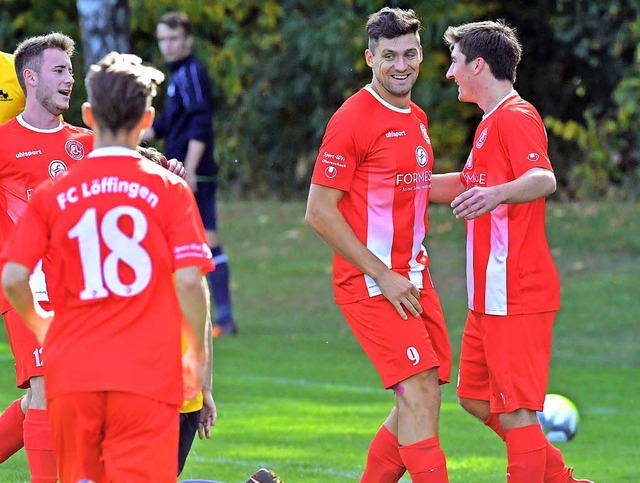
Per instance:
x=326, y=219
x=195, y=152
x=208, y=413
x=192, y=292
x=15, y=281
x=445, y=187
x=532, y=185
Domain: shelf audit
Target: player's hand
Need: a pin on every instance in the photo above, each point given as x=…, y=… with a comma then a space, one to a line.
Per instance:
x=41, y=323
x=401, y=293
x=208, y=415
x=476, y=201
x=176, y=167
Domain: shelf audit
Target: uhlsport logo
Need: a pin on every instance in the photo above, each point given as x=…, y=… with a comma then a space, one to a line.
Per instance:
x=331, y=172
x=533, y=157
x=482, y=138
x=56, y=168
x=74, y=149
x=421, y=156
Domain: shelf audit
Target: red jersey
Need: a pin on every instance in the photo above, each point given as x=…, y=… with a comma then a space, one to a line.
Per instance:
x=29, y=156
x=112, y=231
x=510, y=270
x=381, y=157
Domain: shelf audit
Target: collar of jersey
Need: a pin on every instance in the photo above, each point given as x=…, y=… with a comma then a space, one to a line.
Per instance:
x=114, y=151
x=508, y=96
x=385, y=103
x=25, y=124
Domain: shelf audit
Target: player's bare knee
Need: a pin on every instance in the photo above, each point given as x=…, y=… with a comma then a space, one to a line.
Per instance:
x=475, y=407
x=419, y=390
x=37, y=396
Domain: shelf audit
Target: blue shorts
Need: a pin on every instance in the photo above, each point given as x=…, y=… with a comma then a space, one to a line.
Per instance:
x=206, y=199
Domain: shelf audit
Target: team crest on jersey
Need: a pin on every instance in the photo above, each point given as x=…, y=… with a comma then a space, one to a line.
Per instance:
x=421, y=156
x=56, y=168
x=331, y=172
x=469, y=164
x=74, y=149
x=425, y=134
x=482, y=138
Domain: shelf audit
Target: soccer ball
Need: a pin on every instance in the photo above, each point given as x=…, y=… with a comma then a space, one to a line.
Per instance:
x=559, y=418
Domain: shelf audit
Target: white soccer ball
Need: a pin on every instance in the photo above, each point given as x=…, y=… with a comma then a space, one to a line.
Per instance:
x=559, y=418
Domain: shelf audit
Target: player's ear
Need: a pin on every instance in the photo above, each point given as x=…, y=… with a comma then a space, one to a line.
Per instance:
x=87, y=114
x=368, y=57
x=147, y=118
x=30, y=77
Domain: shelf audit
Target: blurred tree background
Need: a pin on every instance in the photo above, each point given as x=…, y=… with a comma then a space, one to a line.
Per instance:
x=281, y=68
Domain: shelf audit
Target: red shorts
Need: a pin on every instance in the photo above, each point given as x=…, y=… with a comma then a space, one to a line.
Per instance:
x=114, y=436
x=505, y=360
x=400, y=348
x=26, y=351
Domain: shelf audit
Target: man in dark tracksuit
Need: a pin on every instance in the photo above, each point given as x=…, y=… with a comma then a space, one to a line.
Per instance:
x=186, y=124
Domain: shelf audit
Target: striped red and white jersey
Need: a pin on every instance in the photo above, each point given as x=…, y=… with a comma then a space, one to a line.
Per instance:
x=112, y=232
x=509, y=265
x=381, y=157
x=28, y=157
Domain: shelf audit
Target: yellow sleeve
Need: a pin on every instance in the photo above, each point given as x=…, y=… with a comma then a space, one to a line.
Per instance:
x=190, y=405
x=11, y=94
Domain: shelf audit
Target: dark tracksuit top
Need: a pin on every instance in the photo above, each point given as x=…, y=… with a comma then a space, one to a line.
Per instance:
x=188, y=113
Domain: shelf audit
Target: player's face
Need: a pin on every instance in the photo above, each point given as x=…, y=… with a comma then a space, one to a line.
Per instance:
x=396, y=65
x=463, y=74
x=173, y=43
x=55, y=81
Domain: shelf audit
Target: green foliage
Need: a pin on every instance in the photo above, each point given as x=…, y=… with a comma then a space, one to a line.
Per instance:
x=281, y=68
x=604, y=37
x=295, y=392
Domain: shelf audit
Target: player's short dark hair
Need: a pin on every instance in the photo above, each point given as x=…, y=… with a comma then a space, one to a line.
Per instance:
x=494, y=41
x=175, y=20
x=28, y=54
x=390, y=23
x=119, y=89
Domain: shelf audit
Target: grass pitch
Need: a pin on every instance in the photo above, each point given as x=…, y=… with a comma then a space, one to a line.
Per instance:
x=296, y=394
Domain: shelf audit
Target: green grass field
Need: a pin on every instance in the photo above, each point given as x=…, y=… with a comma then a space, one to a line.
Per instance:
x=295, y=392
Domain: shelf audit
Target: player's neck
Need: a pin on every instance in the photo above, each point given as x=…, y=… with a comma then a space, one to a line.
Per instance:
x=401, y=102
x=494, y=95
x=105, y=138
x=37, y=116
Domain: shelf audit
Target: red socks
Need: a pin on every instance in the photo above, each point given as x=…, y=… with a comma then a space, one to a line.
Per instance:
x=384, y=464
x=425, y=461
x=526, y=454
x=38, y=444
x=493, y=421
x=556, y=470
x=11, y=430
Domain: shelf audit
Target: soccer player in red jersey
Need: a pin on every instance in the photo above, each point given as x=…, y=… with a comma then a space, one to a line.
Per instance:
x=36, y=146
x=11, y=104
x=512, y=283
x=368, y=201
x=125, y=252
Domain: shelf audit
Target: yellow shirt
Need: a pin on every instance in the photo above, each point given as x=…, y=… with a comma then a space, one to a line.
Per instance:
x=11, y=94
x=195, y=404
